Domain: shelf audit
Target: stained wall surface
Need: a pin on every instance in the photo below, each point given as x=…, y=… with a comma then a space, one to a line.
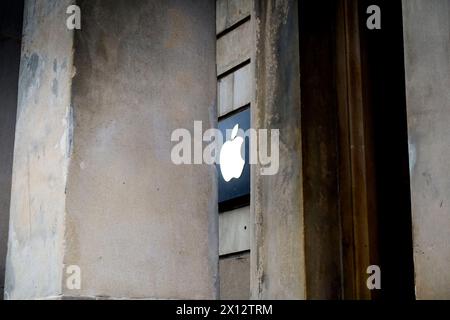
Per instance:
x=94, y=185
x=277, y=241
x=34, y=266
x=427, y=64
x=11, y=13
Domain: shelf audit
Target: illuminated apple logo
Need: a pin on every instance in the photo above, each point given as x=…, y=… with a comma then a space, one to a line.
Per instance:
x=231, y=162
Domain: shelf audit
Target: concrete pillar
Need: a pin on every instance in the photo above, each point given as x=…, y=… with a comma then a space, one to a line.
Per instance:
x=11, y=13
x=427, y=65
x=277, y=248
x=94, y=185
x=36, y=236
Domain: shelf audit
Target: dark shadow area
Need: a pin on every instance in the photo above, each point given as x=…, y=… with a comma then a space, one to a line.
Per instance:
x=11, y=16
x=328, y=247
x=386, y=95
x=319, y=148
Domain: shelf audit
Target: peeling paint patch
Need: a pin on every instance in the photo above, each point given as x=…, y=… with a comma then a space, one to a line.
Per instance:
x=67, y=137
x=30, y=73
x=33, y=63
x=70, y=142
x=412, y=157
x=55, y=87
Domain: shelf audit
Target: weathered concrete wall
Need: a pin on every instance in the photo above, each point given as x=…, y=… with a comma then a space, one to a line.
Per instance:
x=42, y=148
x=277, y=249
x=11, y=13
x=137, y=225
x=94, y=185
x=427, y=52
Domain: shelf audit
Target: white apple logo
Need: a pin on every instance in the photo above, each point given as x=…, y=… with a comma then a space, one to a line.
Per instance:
x=231, y=162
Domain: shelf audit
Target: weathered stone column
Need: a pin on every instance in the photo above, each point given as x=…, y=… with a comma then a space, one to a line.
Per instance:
x=277, y=248
x=93, y=182
x=11, y=13
x=427, y=66
x=34, y=266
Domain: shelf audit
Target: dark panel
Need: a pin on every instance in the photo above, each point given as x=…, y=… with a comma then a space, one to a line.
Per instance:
x=320, y=158
x=384, y=73
x=236, y=190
